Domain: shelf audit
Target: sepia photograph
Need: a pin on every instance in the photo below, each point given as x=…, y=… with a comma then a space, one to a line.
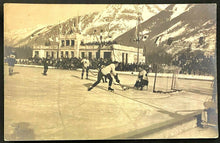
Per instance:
x=110, y=71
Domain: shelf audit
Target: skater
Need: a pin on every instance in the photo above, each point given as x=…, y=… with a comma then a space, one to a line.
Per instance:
x=46, y=62
x=142, y=79
x=101, y=65
x=11, y=62
x=104, y=79
x=85, y=66
x=107, y=71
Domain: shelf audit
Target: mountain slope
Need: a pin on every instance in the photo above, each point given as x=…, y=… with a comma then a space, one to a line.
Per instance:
x=175, y=28
x=113, y=21
x=11, y=38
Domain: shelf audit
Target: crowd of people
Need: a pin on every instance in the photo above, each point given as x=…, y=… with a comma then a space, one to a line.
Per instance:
x=196, y=65
x=74, y=63
x=106, y=67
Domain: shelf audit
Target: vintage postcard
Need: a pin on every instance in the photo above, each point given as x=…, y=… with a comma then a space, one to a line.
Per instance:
x=110, y=71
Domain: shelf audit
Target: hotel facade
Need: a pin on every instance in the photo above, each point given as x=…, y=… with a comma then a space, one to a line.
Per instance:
x=73, y=46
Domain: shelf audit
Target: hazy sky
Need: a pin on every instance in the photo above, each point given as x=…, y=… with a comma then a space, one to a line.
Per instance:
x=19, y=16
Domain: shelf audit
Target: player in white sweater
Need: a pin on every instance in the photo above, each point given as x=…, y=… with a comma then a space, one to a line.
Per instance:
x=107, y=71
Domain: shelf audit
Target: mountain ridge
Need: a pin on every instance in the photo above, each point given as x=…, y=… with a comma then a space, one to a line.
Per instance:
x=112, y=23
x=181, y=24
x=186, y=28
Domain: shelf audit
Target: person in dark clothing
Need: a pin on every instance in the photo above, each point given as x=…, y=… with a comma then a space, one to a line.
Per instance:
x=102, y=63
x=46, y=62
x=11, y=63
x=142, y=79
x=107, y=71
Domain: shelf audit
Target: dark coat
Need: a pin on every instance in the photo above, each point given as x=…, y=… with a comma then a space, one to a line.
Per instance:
x=11, y=61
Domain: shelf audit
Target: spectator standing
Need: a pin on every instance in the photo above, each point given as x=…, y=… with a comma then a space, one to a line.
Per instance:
x=11, y=62
x=85, y=66
x=46, y=63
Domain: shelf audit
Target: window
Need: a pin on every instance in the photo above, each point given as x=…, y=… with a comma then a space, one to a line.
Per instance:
x=36, y=53
x=72, y=54
x=83, y=54
x=123, y=55
x=47, y=43
x=90, y=55
x=72, y=42
x=61, y=54
x=107, y=55
x=97, y=55
x=67, y=54
x=62, y=43
x=57, y=55
x=67, y=42
x=47, y=54
x=52, y=54
x=125, y=58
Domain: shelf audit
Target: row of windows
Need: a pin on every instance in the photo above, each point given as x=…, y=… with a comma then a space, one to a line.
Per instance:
x=107, y=55
x=66, y=54
x=68, y=43
x=124, y=57
x=52, y=54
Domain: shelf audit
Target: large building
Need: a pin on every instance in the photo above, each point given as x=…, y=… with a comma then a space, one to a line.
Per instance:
x=73, y=46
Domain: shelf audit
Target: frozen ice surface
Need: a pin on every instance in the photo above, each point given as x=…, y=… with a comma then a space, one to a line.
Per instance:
x=59, y=107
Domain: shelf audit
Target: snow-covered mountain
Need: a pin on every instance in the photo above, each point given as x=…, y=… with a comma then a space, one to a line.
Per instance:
x=176, y=28
x=11, y=38
x=117, y=19
x=173, y=27
x=113, y=21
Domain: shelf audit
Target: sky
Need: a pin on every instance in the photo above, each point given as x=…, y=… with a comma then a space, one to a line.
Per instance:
x=20, y=16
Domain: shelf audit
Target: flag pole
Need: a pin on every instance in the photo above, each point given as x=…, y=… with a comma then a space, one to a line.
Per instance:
x=138, y=37
x=58, y=46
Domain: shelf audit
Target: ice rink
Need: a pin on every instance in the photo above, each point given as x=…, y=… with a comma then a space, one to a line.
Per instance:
x=59, y=107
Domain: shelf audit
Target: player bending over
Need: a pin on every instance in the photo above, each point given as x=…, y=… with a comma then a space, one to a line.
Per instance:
x=107, y=71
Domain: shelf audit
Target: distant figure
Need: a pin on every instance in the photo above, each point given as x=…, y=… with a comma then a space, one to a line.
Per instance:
x=46, y=62
x=11, y=63
x=107, y=71
x=85, y=66
x=142, y=79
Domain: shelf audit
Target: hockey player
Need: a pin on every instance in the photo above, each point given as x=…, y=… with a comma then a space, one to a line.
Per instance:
x=46, y=62
x=11, y=62
x=102, y=63
x=85, y=66
x=107, y=71
x=142, y=79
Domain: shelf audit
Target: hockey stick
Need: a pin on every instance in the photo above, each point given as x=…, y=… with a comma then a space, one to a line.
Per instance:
x=122, y=86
